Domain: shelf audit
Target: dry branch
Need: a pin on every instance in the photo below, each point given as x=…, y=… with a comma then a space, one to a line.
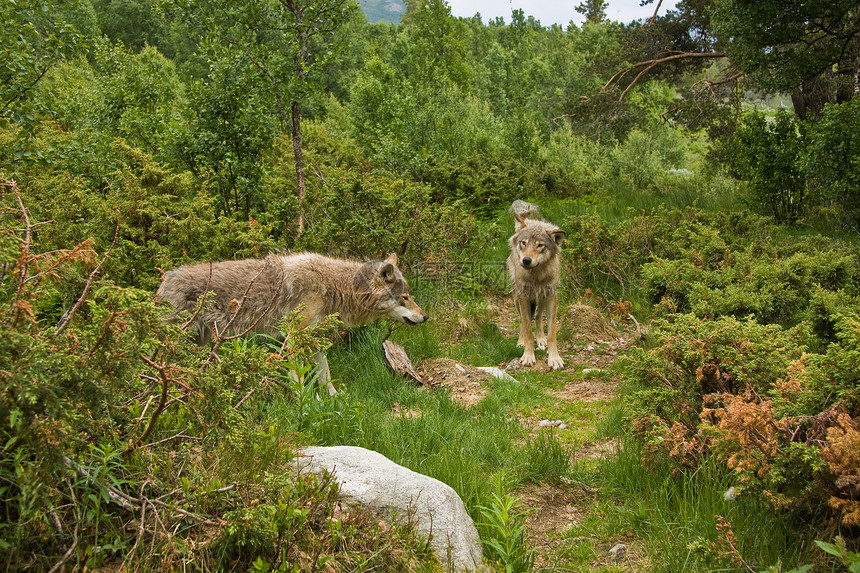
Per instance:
x=397, y=360
x=68, y=316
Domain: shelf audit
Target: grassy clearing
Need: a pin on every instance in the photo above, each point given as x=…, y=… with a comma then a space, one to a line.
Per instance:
x=668, y=522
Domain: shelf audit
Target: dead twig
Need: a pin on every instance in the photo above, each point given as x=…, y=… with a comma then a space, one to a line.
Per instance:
x=220, y=339
x=130, y=503
x=68, y=316
x=59, y=564
x=176, y=437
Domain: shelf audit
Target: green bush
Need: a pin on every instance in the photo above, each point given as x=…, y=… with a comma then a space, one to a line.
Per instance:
x=769, y=154
x=116, y=429
x=833, y=158
x=692, y=357
x=160, y=219
x=781, y=418
x=354, y=210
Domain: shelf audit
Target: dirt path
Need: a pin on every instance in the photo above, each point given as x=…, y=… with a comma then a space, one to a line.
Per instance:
x=590, y=349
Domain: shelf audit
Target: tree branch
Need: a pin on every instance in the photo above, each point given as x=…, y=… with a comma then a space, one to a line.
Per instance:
x=68, y=316
x=650, y=64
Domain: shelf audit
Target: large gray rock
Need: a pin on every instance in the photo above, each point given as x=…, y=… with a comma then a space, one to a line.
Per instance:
x=378, y=484
x=524, y=208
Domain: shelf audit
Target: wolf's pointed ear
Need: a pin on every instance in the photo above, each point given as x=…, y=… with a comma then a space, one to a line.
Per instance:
x=557, y=235
x=392, y=259
x=386, y=272
x=520, y=220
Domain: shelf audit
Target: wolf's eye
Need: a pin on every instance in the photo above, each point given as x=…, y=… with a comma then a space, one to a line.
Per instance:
x=540, y=246
x=405, y=297
x=523, y=244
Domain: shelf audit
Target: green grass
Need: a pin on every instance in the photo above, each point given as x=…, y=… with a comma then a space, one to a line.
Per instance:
x=668, y=521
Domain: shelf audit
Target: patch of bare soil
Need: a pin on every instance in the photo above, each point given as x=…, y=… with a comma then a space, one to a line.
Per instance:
x=586, y=391
x=467, y=384
x=552, y=511
x=591, y=344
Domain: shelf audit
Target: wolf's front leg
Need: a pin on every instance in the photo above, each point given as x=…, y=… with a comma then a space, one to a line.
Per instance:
x=553, y=358
x=526, y=336
x=323, y=374
x=540, y=337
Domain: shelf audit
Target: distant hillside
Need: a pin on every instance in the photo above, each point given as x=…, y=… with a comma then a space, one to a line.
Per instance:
x=388, y=10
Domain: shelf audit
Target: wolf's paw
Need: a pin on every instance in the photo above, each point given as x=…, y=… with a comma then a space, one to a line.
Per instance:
x=520, y=343
x=528, y=359
x=541, y=342
x=555, y=362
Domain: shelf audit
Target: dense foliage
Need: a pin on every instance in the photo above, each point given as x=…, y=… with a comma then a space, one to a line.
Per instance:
x=140, y=135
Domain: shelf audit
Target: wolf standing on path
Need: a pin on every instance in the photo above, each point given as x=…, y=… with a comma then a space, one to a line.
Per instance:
x=534, y=265
x=251, y=295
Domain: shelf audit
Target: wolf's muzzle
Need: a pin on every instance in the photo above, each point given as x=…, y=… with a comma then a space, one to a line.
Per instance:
x=411, y=322
x=526, y=262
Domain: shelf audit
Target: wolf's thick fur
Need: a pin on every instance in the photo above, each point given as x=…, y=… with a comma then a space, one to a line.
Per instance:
x=260, y=291
x=534, y=266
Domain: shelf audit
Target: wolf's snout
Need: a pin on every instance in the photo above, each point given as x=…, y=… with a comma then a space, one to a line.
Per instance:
x=412, y=322
x=527, y=262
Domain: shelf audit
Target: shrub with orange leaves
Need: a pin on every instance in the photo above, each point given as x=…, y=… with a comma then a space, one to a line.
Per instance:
x=842, y=454
x=785, y=419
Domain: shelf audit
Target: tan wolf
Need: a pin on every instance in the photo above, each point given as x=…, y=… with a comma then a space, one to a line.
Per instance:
x=534, y=266
x=251, y=295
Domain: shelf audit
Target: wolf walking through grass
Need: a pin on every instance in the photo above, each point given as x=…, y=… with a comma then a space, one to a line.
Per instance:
x=251, y=295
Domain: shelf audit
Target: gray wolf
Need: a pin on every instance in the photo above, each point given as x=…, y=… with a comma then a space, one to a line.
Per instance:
x=534, y=266
x=251, y=295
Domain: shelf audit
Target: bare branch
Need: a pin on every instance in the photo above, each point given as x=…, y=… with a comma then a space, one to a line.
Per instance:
x=68, y=317
x=176, y=437
x=24, y=261
x=220, y=339
x=654, y=16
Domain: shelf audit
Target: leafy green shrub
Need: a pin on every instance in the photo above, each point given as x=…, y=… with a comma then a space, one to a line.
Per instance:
x=784, y=420
x=575, y=164
x=353, y=210
x=159, y=219
x=693, y=357
x=769, y=154
x=709, y=278
x=833, y=157
x=643, y=158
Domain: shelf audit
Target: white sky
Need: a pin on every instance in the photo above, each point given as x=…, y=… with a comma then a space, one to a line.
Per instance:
x=550, y=12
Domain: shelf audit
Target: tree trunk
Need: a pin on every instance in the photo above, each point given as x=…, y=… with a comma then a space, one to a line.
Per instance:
x=296, y=128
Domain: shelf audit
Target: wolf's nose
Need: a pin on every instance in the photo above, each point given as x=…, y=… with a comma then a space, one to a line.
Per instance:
x=527, y=261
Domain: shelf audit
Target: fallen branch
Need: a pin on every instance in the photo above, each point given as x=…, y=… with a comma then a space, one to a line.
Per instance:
x=130, y=503
x=162, y=402
x=398, y=360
